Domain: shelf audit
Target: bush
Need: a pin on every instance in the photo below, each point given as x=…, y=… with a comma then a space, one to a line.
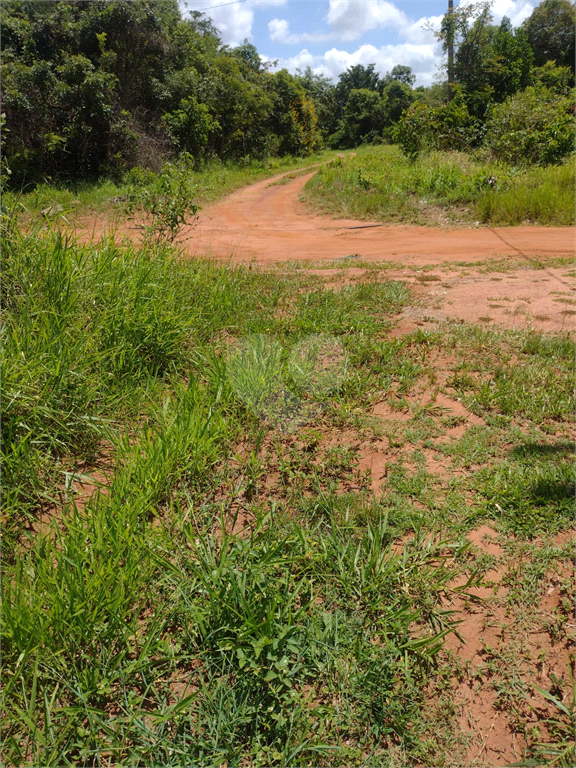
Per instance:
x=554, y=78
x=166, y=199
x=532, y=127
x=448, y=127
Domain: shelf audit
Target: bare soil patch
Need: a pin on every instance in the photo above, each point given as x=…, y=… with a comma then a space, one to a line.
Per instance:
x=504, y=652
x=268, y=223
x=504, y=655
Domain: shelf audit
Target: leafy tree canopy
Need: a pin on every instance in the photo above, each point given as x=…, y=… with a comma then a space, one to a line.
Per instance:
x=550, y=30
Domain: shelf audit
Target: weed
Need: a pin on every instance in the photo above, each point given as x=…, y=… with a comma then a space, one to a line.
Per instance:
x=137, y=629
x=380, y=183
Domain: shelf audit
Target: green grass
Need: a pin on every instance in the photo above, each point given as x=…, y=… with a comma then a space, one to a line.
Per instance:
x=235, y=593
x=442, y=188
x=213, y=180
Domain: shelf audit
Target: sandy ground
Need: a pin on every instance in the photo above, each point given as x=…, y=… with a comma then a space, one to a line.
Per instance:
x=268, y=224
x=454, y=274
x=477, y=274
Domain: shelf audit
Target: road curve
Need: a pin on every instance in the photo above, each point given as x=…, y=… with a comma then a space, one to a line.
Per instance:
x=266, y=222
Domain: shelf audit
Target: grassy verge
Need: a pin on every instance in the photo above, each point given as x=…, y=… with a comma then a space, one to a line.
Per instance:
x=233, y=593
x=214, y=180
x=442, y=188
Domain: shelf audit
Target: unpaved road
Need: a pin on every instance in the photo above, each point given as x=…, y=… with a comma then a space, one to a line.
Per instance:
x=266, y=222
x=480, y=275
x=460, y=277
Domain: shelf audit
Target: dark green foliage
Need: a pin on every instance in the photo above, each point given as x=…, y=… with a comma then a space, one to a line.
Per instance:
x=293, y=116
x=97, y=88
x=94, y=89
x=322, y=93
x=448, y=127
x=532, y=127
x=362, y=121
x=398, y=96
x=557, y=79
x=550, y=31
x=490, y=62
x=355, y=78
x=400, y=73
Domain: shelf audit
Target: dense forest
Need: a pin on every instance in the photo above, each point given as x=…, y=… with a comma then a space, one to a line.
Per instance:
x=92, y=89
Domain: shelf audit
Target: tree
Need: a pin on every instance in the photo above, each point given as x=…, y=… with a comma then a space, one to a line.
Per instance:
x=248, y=53
x=92, y=88
x=293, y=118
x=191, y=126
x=356, y=78
x=397, y=97
x=447, y=127
x=401, y=73
x=323, y=94
x=550, y=30
x=490, y=63
x=362, y=121
x=509, y=68
x=554, y=78
x=534, y=126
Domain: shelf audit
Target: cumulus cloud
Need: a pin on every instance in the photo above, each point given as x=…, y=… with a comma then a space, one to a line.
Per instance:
x=234, y=21
x=421, y=32
x=516, y=10
x=280, y=33
x=422, y=58
x=350, y=19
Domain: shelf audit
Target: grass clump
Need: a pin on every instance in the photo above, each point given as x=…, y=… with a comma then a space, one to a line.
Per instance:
x=229, y=592
x=532, y=491
x=442, y=187
x=540, y=195
x=136, y=630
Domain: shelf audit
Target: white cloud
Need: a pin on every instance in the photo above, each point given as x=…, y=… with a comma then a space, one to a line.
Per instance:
x=280, y=33
x=234, y=21
x=422, y=58
x=419, y=32
x=516, y=10
x=267, y=3
x=350, y=19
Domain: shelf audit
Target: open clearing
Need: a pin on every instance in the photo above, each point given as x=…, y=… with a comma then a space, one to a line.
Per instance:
x=450, y=445
x=511, y=278
x=515, y=277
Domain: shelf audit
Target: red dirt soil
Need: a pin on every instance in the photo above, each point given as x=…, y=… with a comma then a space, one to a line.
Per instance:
x=268, y=223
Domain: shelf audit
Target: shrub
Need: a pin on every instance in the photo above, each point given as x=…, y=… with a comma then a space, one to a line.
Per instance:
x=532, y=127
x=166, y=199
x=448, y=127
x=556, y=79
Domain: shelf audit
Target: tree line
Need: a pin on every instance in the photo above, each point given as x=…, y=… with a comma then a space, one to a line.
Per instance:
x=94, y=88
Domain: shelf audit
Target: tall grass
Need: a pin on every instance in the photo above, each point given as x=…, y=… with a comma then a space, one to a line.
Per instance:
x=541, y=195
x=137, y=629
x=212, y=180
x=380, y=183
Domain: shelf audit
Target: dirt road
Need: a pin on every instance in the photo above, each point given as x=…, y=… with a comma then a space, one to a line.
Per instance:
x=478, y=274
x=268, y=223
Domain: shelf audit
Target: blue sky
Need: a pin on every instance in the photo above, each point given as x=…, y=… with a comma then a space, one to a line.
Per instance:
x=331, y=35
